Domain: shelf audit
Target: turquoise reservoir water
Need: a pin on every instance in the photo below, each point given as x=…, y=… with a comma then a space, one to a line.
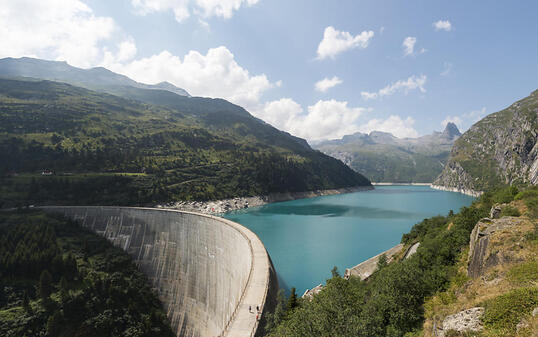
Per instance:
x=307, y=237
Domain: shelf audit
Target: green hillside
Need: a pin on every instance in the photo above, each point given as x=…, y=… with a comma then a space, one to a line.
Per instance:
x=104, y=149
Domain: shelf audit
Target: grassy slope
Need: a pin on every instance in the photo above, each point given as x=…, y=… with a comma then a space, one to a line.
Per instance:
x=509, y=290
x=193, y=148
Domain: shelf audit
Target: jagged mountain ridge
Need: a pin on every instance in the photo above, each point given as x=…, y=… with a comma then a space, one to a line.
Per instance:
x=498, y=150
x=382, y=157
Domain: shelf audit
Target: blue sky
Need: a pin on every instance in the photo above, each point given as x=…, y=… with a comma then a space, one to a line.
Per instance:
x=390, y=66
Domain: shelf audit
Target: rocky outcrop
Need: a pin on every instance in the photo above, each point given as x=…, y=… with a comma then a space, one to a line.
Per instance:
x=464, y=321
x=500, y=149
x=481, y=256
x=456, y=189
x=411, y=251
x=309, y=293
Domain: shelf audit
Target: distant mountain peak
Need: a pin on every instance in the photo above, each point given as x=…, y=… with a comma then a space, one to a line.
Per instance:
x=97, y=78
x=451, y=131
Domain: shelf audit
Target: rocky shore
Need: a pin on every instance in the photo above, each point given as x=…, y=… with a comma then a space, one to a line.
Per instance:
x=227, y=205
x=453, y=189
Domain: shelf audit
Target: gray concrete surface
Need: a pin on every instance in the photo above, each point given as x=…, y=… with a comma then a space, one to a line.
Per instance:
x=206, y=270
x=364, y=269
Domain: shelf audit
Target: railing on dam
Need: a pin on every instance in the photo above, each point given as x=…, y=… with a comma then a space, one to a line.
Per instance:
x=207, y=270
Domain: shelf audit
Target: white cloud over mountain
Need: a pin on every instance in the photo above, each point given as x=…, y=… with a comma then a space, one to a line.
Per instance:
x=443, y=25
x=54, y=29
x=69, y=30
x=412, y=83
x=335, y=42
x=327, y=83
x=394, y=124
x=215, y=74
x=324, y=120
x=183, y=9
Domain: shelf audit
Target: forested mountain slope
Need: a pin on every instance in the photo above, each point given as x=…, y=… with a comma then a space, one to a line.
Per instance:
x=500, y=149
x=60, y=279
x=104, y=149
x=381, y=157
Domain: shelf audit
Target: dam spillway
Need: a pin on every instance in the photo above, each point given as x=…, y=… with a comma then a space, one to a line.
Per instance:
x=206, y=270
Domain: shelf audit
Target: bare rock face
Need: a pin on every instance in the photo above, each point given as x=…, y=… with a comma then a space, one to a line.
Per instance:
x=481, y=257
x=502, y=148
x=309, y=293
x=464, y=321
x=495, y=212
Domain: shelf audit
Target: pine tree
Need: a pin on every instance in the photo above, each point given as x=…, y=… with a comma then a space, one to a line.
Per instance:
x=292, y=301
x=64, y=291
x=382, y=262
x=26, y=303
x=45, y=285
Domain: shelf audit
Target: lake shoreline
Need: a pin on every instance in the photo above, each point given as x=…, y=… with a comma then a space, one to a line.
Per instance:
x=400, y=184
x=232, y=204
x=472, y=193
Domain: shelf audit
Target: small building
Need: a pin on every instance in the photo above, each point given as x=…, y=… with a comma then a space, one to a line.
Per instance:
x=47, y=172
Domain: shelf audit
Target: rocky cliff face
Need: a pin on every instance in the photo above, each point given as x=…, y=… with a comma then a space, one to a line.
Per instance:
x=500, y=149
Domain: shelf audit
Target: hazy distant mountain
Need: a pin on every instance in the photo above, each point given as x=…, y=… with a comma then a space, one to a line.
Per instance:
x=382, y=157
x=99, y=78
x=500, y=149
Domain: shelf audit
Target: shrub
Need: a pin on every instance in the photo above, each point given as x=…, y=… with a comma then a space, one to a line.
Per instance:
x=510, y=211
x=504, y=312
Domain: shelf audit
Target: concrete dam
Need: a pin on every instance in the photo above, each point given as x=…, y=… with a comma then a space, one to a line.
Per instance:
x=206, y=270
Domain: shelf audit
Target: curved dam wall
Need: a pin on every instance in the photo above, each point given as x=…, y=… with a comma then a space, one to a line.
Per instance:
x=207, y=270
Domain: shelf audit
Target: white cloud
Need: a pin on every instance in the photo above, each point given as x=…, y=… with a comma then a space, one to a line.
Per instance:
x=335, y=42
x=412, y=83
x=324, y=120
x=215, y=74
x=399, y=127
x=447, y=69
x=183, y=9
x=443, y=25
x=409, y=45
x=55, y=29
x=327, y=83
